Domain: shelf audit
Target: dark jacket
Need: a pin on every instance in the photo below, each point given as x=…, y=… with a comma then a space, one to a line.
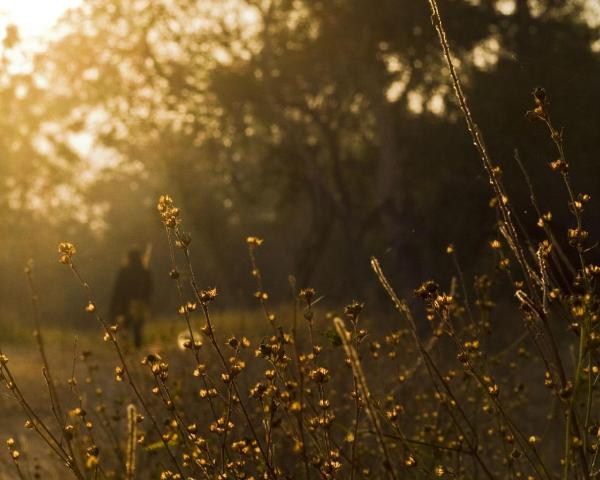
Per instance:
x=134, y=282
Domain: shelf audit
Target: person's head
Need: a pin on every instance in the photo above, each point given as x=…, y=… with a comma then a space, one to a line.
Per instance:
x=134, y=257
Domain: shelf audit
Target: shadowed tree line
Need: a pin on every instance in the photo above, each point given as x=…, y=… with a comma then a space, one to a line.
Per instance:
x=327, y=127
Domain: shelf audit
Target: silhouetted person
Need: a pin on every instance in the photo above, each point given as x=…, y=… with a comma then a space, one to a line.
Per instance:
x=130, y=304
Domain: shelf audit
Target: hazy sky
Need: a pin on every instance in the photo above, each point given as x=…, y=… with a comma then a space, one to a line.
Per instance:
x=34, y=17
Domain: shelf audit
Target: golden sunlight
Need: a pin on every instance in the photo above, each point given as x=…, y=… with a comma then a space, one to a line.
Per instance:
x=34, y=18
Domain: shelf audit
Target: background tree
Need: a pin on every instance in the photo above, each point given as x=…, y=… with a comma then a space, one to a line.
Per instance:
x=328, y=127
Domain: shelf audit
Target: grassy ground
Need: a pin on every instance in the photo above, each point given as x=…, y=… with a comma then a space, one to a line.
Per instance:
x=64, y=347
x=390, y=362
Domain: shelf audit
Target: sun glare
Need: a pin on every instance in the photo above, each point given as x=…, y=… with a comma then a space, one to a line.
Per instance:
x=34, y=18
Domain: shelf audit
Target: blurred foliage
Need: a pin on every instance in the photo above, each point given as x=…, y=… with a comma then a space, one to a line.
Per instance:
x=327, y=127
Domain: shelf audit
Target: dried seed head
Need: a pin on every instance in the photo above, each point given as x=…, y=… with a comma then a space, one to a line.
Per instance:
x=354, y=309
x=308, y=295
x=427, y=290
x=207, y=296
x=168, y=212
x=254, y=241
x=66, y=250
